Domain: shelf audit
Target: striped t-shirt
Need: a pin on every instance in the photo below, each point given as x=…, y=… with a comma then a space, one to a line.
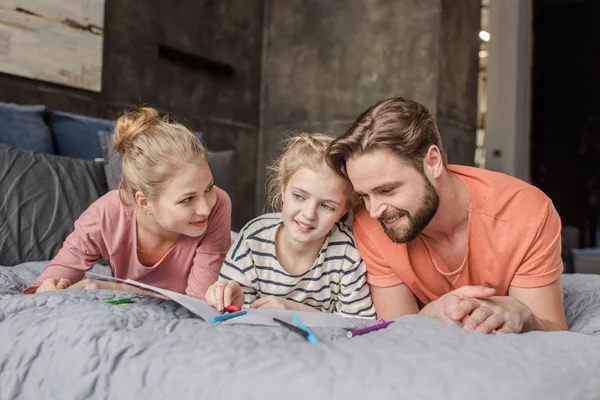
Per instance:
x=336, y=282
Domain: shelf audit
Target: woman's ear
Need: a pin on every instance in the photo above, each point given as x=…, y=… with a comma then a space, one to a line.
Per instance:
x=142, y=201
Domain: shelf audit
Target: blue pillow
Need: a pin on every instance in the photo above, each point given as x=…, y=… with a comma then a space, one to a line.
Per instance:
x=76, y=136
x=24, y=127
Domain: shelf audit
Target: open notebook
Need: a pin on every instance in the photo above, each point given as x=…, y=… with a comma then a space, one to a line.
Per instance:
x=253, y=317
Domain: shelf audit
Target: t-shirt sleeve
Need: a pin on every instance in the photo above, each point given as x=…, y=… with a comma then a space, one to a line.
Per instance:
x=542, y=264
x=379, y=273
x=79, y=253
x=211, y=251
x=354, y=297
x=239, y=267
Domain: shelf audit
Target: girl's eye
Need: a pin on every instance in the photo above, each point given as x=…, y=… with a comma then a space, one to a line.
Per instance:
x=298, y=196
x=186, y=200
x=327, y=207
x=208, y=189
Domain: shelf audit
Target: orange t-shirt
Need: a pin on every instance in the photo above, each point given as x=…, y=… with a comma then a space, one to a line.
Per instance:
x=513, y=238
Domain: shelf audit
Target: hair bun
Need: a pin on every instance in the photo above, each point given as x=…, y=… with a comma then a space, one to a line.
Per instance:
x=132, y=124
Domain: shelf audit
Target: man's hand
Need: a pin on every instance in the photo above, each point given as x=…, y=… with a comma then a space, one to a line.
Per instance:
x=280, y=303
x=222, y=294
x=53, y=284
x=455, y=305
x=523, y=310
x=502, y=314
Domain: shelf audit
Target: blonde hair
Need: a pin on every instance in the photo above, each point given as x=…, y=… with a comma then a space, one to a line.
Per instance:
x=152, y=149
x=403, y=126
x=303, y=150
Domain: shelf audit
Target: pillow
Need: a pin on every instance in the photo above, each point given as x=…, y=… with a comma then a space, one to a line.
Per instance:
x=222, y=165
x=24, y=127
x=76, y=136
x=41, y=196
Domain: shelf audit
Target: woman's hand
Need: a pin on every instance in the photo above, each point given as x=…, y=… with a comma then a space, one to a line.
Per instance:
x=95, y=284
x=53, y=284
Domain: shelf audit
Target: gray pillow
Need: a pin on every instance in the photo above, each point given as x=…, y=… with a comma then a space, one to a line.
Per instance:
x=222, y=165
x=41, y=197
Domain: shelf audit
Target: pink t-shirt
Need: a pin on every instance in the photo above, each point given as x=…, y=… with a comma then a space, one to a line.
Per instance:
x=107, y=229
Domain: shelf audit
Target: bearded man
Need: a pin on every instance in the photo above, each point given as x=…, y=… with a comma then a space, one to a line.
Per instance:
x=468, y=246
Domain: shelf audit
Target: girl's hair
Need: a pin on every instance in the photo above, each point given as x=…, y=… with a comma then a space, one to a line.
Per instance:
x=152, y=148
x=303, y=150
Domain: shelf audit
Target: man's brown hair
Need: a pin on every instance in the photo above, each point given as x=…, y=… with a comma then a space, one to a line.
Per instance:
x=403, y=126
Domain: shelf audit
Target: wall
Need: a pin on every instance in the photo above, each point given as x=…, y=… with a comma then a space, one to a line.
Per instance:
x=507, y=129
x=298, y=65
x=225, y=107
x=324, y=64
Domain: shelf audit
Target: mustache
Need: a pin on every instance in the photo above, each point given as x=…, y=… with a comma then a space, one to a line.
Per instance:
x=389, y=215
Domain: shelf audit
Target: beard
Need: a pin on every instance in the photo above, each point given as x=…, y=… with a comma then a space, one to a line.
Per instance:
x=417, y=221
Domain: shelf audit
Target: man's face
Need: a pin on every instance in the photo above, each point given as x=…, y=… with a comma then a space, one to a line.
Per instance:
x=394, y=192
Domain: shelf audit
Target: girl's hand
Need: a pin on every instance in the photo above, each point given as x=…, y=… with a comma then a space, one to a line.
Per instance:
x=53, y=284
x=280, y=303
x=222, y=294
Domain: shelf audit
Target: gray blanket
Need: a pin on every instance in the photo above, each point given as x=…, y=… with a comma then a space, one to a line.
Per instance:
x=70, y=345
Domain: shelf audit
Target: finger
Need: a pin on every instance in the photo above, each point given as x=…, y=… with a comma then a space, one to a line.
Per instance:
x=239, y=296
x=81, y=284
x=210, y=295
x=447, y=306
x=476, y=318
x=507, y=327
x=63, y=283
x=464, y=308
x=219, y=289
x=491, y=323
x=261, y=302
x=474, y=291
x=228, y=294
x=48, y=285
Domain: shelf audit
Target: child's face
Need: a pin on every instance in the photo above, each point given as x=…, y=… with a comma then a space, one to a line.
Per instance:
x=186, y=201
x=312, y=202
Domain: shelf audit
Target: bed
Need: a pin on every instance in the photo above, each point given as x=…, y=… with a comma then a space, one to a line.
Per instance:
x=71, y=345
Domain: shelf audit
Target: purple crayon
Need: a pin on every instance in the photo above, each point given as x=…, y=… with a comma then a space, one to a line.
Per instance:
x=379, y=325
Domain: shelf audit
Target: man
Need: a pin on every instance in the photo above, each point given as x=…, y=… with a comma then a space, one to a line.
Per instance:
x=468, y=246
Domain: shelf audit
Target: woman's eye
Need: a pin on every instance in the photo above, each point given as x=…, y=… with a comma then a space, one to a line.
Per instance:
x=298, y=196
x=327, y=207
x=208, y=189
x=186, y=200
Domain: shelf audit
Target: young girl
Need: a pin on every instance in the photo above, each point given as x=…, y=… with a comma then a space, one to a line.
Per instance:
x=302, y=258
x=168, y=225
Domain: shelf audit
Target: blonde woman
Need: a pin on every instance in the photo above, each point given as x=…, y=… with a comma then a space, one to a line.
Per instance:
x=168, y=225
